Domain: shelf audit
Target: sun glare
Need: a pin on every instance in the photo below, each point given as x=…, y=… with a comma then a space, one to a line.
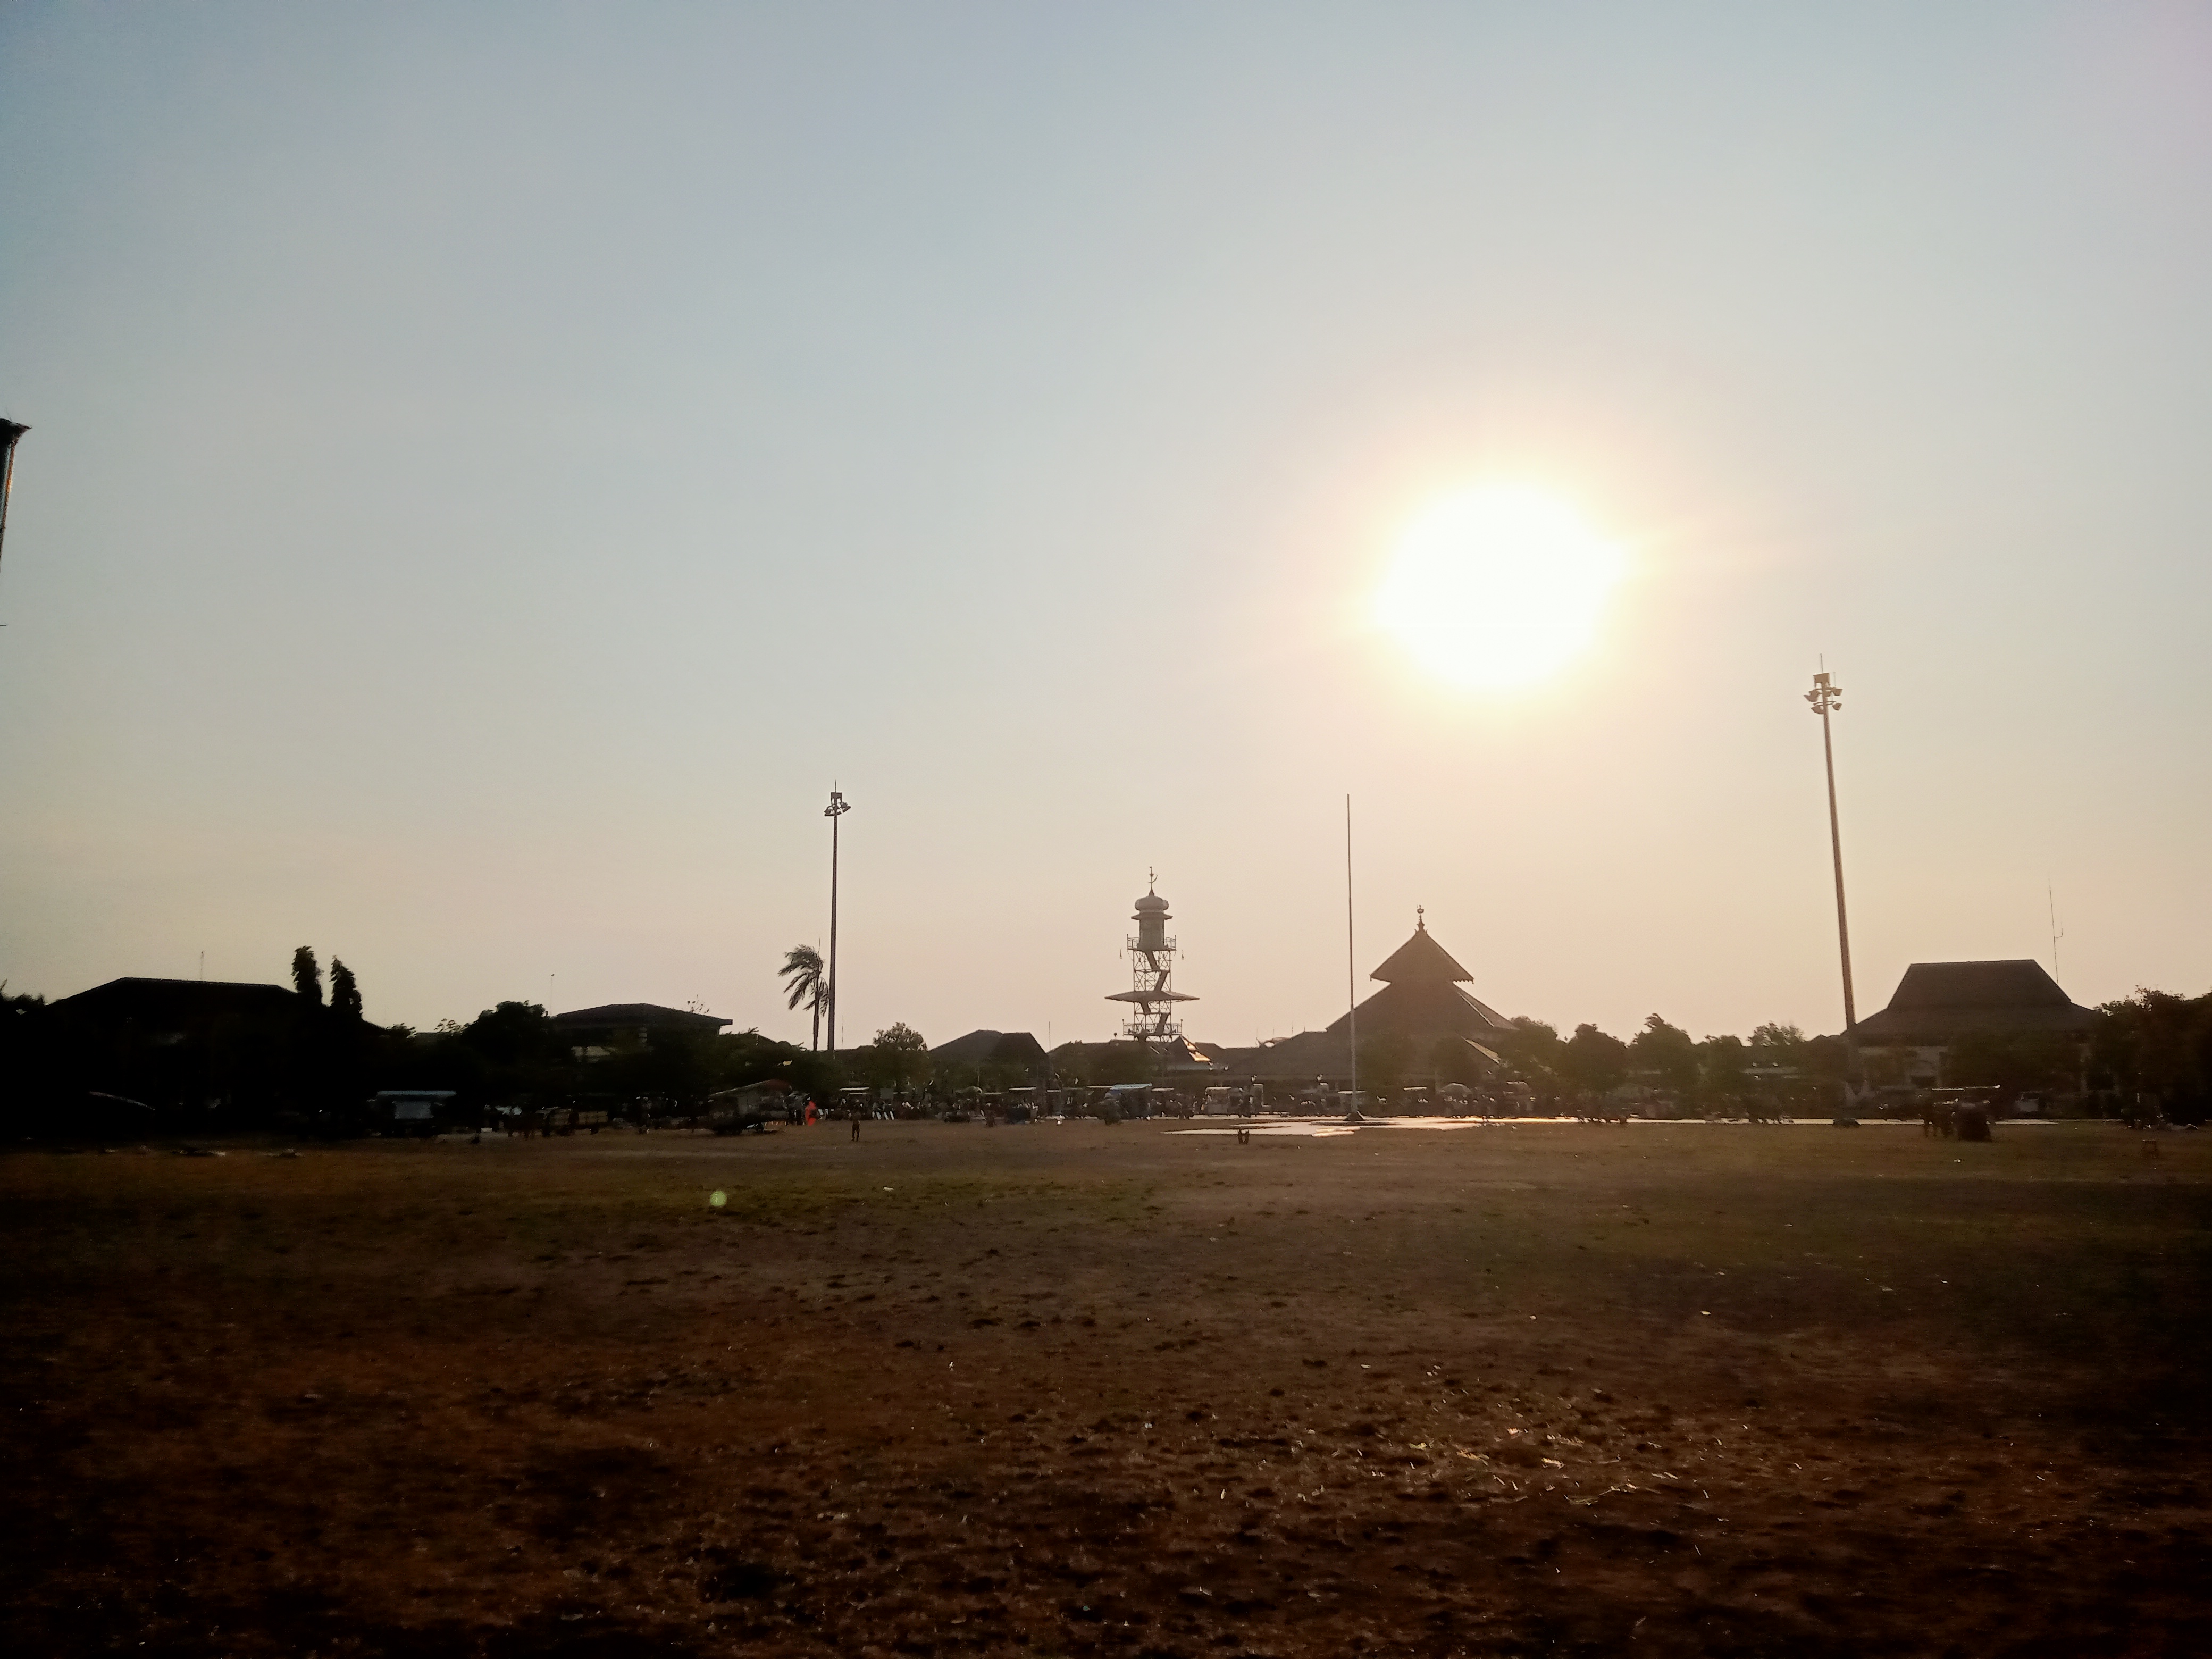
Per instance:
x=1496, y=585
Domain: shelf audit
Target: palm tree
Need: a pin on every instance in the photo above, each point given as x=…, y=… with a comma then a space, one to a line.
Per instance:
x=807, y=981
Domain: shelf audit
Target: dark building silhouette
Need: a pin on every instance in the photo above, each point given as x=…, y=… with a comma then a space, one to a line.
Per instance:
x=621, y=1024
x=189, y=1052
x=1018, y=1049
x=1421, y=998
x=169, y=1011
x=1937, y=1001
x=1423, y=1003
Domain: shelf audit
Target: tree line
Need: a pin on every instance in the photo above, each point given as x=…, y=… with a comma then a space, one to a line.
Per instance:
x=306, y=1059
x=299, y=1062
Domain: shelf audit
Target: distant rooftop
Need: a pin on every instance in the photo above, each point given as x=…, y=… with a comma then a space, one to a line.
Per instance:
x=980, y=1048
x=639, y=1016
x=1420, y=958
x=1937, y=1000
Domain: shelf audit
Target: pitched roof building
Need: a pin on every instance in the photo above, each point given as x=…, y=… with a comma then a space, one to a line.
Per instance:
x=991, y=1048
x=1938, y=1001
x=1421, y=998
x=616, y=1022
x=167, y=1009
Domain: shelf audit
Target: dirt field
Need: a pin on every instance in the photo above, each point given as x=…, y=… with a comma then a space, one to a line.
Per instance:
x=1081, y=1389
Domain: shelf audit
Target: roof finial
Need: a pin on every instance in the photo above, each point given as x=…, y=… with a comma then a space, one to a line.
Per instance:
x=1420, y=917
x=1152, y=878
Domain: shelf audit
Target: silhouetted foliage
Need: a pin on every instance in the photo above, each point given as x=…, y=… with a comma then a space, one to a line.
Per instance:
x=807, y=980
x=1384, y=1060
x=345, y=994
x=1455, y=1060
x=307, y=976
x=1777, y=1045
x=1723, y=1063
x=1668, y=1052
x=2157, y=1043
x=1595, y=1059
x=2011, y=1062
x=897, y=1059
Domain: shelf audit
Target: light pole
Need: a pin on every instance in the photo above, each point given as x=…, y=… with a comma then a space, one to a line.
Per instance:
x=1826, y=697
x=9, y=431
x=1351, y=968
x=837, y=808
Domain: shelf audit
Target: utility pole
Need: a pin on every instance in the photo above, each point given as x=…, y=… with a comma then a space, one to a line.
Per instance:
x=837, y=808
x=1826, y=697
x=1351, y=965
x=9, y=431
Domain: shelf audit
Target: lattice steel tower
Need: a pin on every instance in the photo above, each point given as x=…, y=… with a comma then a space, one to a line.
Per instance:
x=1152, y=958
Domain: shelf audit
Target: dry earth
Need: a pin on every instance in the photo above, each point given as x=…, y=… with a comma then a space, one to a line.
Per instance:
x=1079, y=1389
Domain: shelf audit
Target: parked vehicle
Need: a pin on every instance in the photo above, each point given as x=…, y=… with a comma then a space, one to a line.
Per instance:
x=408, y=1112
x=1128, y=1100
x=754, y=1107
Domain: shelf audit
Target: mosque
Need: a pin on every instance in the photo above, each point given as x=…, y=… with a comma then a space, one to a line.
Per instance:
x=1439, y=1025
x=1423, y=1004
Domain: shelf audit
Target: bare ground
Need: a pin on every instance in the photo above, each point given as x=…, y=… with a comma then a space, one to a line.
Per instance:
x=1079, y=1389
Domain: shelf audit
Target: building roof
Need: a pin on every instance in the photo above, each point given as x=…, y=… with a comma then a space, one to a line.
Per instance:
x=1427, y=1010
x=177, y=1000
x=1421, y=959
x=1298, y=1058
x=639, y=1016
x=1180, y=1054
x=1937, y=1001
x=982, y=1048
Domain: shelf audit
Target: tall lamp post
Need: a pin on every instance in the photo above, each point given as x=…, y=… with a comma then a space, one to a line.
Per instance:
x=1826, y=696
x=9, y=431
x=837, y=808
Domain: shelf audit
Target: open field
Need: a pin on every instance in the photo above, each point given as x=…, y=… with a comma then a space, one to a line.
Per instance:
x=1661, y=1388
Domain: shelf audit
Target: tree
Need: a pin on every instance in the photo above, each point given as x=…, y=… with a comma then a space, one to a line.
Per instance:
x=1385, y=1059
x=1595, y=1059
x=1455, y=1060
x=1779, y=1045
x=1668, y=1052
x=2156, y=1042
x=307, y=976
x=807, y=980
x=1534, y=1047
x=898, y=1058
x=345, y=994
x=515, y=1037
x=2010, y=1062
x=1722, y=1063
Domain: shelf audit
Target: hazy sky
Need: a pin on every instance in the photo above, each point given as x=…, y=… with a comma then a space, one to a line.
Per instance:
x=495, y=468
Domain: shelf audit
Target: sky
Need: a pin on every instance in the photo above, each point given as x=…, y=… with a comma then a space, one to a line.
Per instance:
x=493, y=470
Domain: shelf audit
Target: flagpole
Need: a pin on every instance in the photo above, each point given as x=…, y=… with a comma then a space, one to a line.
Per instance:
x=1351, y=964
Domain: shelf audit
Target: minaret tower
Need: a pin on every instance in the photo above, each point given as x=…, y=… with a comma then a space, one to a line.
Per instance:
x=1151, y=958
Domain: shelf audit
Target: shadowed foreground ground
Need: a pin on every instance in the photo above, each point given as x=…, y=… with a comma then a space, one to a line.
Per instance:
x=1528, y=1388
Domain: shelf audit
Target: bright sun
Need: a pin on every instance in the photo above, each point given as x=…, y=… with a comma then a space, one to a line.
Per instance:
x=1496, y=585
